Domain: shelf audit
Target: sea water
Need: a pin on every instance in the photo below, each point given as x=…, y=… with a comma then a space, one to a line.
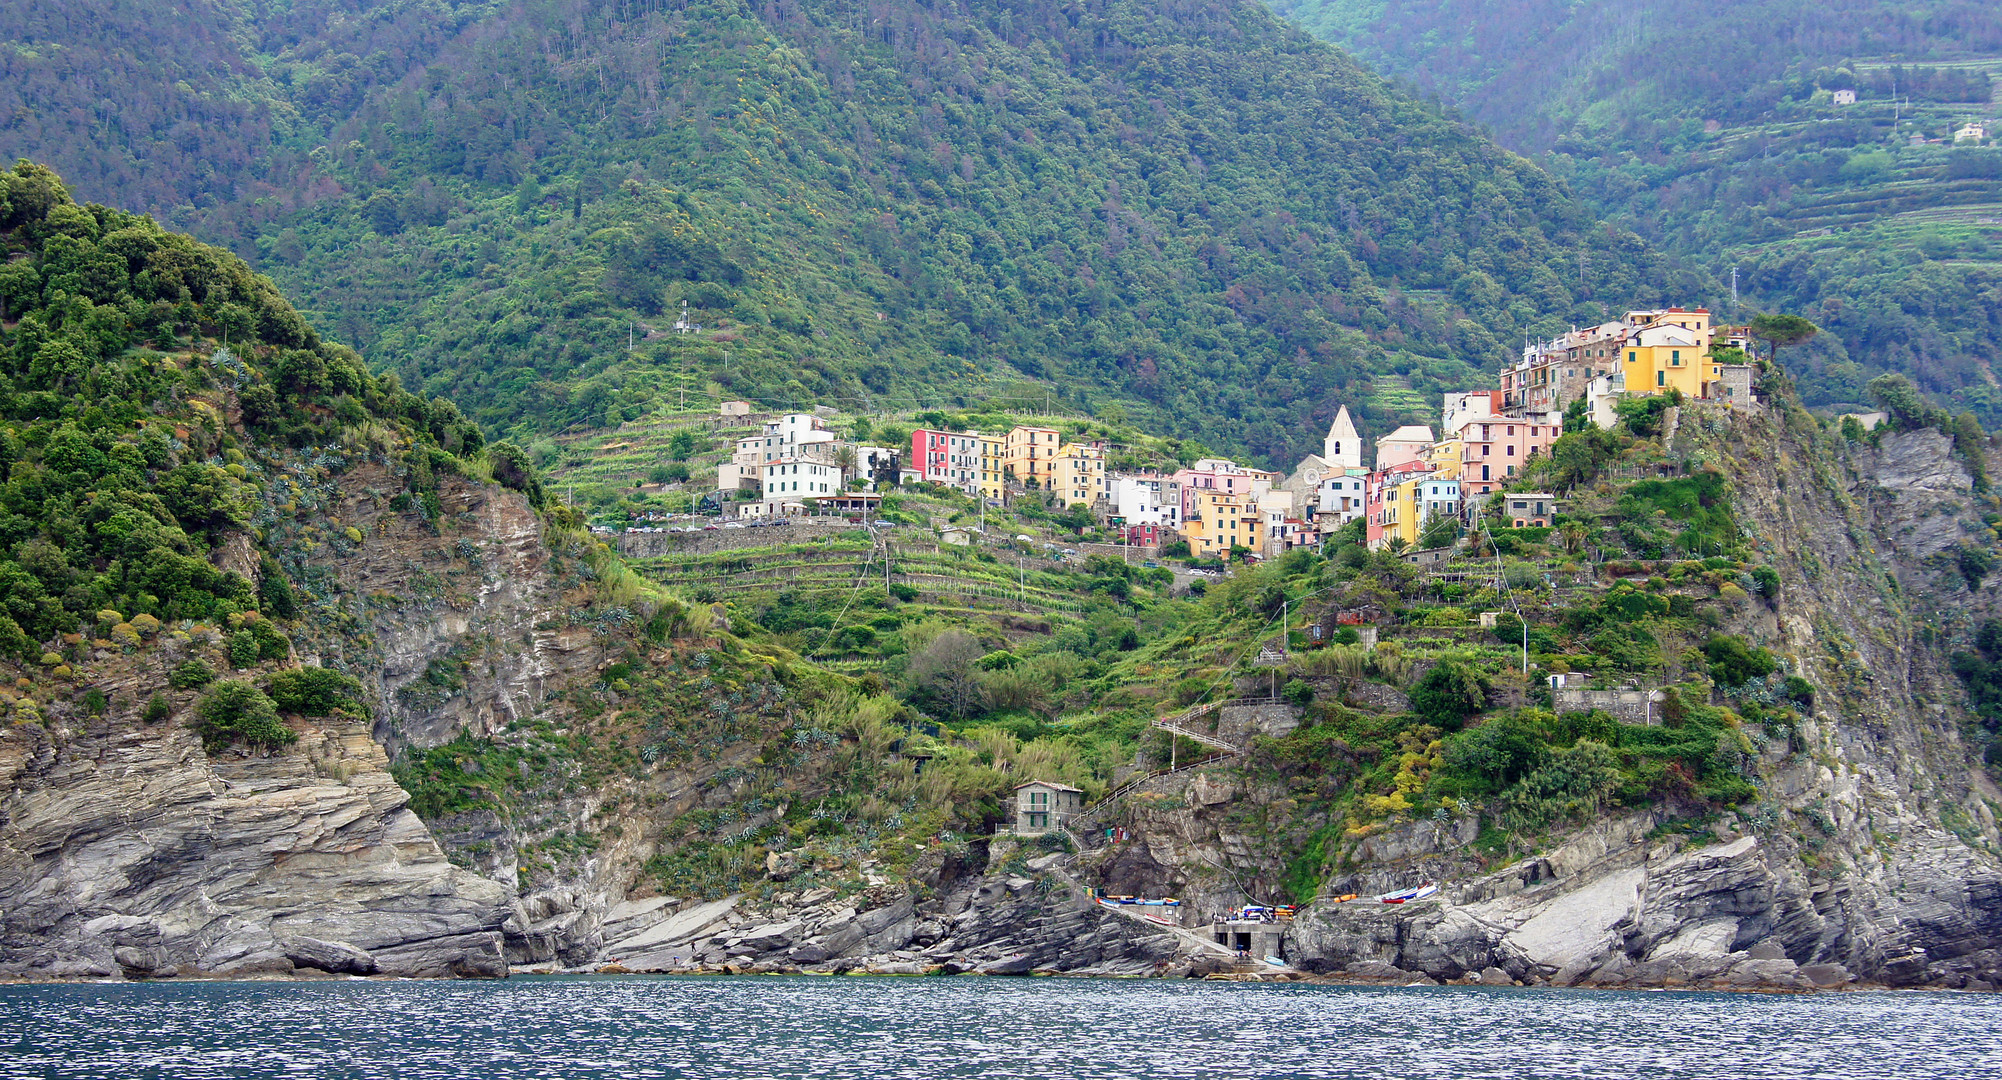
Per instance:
x=831, y=1027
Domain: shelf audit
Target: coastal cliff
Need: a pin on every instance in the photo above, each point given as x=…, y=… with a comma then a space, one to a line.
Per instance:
x=129, y=850
x=1870, y=853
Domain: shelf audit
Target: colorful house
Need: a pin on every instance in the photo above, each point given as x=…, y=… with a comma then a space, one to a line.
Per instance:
x=1077, y=474
x=1496, y=449
x=1027, y=454
x=1406, y=444
x=1531, y=509
x=1223, y=520
x=993, y=458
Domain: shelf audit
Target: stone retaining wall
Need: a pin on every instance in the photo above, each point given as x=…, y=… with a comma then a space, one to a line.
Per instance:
x=1628, y=706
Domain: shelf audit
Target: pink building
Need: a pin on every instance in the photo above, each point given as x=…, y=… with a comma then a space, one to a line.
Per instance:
x=1494, y=450
x=1217, y=474
x=946, y=457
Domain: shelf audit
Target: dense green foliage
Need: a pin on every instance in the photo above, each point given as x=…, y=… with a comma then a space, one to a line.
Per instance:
x=235, y=711
x=316, y=691
x=1980, y=671
x=124, y=463
x=1708, y=126
x=1187, y=204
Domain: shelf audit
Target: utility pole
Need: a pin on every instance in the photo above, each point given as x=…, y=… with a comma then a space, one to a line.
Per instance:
x=1734, y=286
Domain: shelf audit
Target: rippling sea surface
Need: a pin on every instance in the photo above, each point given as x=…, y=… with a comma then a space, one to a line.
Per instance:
x=876, y=1027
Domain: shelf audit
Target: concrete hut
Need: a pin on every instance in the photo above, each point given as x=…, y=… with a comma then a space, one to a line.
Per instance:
x=1041, y=806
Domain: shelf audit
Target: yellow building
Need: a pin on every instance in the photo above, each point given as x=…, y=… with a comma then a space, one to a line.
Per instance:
x=993, y=453
x=1444, y=457
x=1221, y=520
x=1400, y=511
x=1028, y=454
x=1668, y=350
x=1077, y=474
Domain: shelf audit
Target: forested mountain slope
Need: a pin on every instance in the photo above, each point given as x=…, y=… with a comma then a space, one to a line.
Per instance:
x=1187, y=205
x=1711, y=128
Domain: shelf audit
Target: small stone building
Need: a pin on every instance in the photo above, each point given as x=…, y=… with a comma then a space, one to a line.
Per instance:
x=1041, y=806
x=1531, y=509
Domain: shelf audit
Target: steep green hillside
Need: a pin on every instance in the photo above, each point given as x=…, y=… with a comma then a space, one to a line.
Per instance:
x=134, y=456
x=1188, y=206
x=1710, y=128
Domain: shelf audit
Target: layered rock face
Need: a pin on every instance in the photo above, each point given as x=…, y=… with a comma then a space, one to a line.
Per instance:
x=128, y=850
x=1614, y=908
x=985, y=920
x=464, y=627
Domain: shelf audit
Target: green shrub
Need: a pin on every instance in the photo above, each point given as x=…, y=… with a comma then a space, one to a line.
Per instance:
x=191, y=675
x=242, y=649
x=1768, y=581
x=158, y=708
x=1449, y=693
x=1489, y=758
x=271, y=644
x=234, y=711
x=1298, y=692
x=314, y=691
x=1734, y=661
x=94, y=702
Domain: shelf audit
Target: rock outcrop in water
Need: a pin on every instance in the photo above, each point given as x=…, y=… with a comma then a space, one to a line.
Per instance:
x=990, y=921
x=129, y=850
x=1617, y=908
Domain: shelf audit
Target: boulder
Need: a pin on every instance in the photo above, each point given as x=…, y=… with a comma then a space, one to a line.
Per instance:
x=762, y=939
x=1019, y=964
x=1825, y=975
x=338, y=957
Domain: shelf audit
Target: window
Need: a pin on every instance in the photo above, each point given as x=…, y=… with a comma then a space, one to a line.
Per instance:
x=1633, y=357
x=1661, y=378
x=1511, y=450
x=1675, y=357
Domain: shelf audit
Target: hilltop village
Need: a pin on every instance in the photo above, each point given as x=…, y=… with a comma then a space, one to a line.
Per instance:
x=1416, y=489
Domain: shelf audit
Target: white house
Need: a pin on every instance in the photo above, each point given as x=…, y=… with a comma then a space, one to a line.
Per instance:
x=1845, y=97
x=1438, y=498
x=1147, y=499
x=797, y=480
x=1465, y=407
x=1340, y=499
